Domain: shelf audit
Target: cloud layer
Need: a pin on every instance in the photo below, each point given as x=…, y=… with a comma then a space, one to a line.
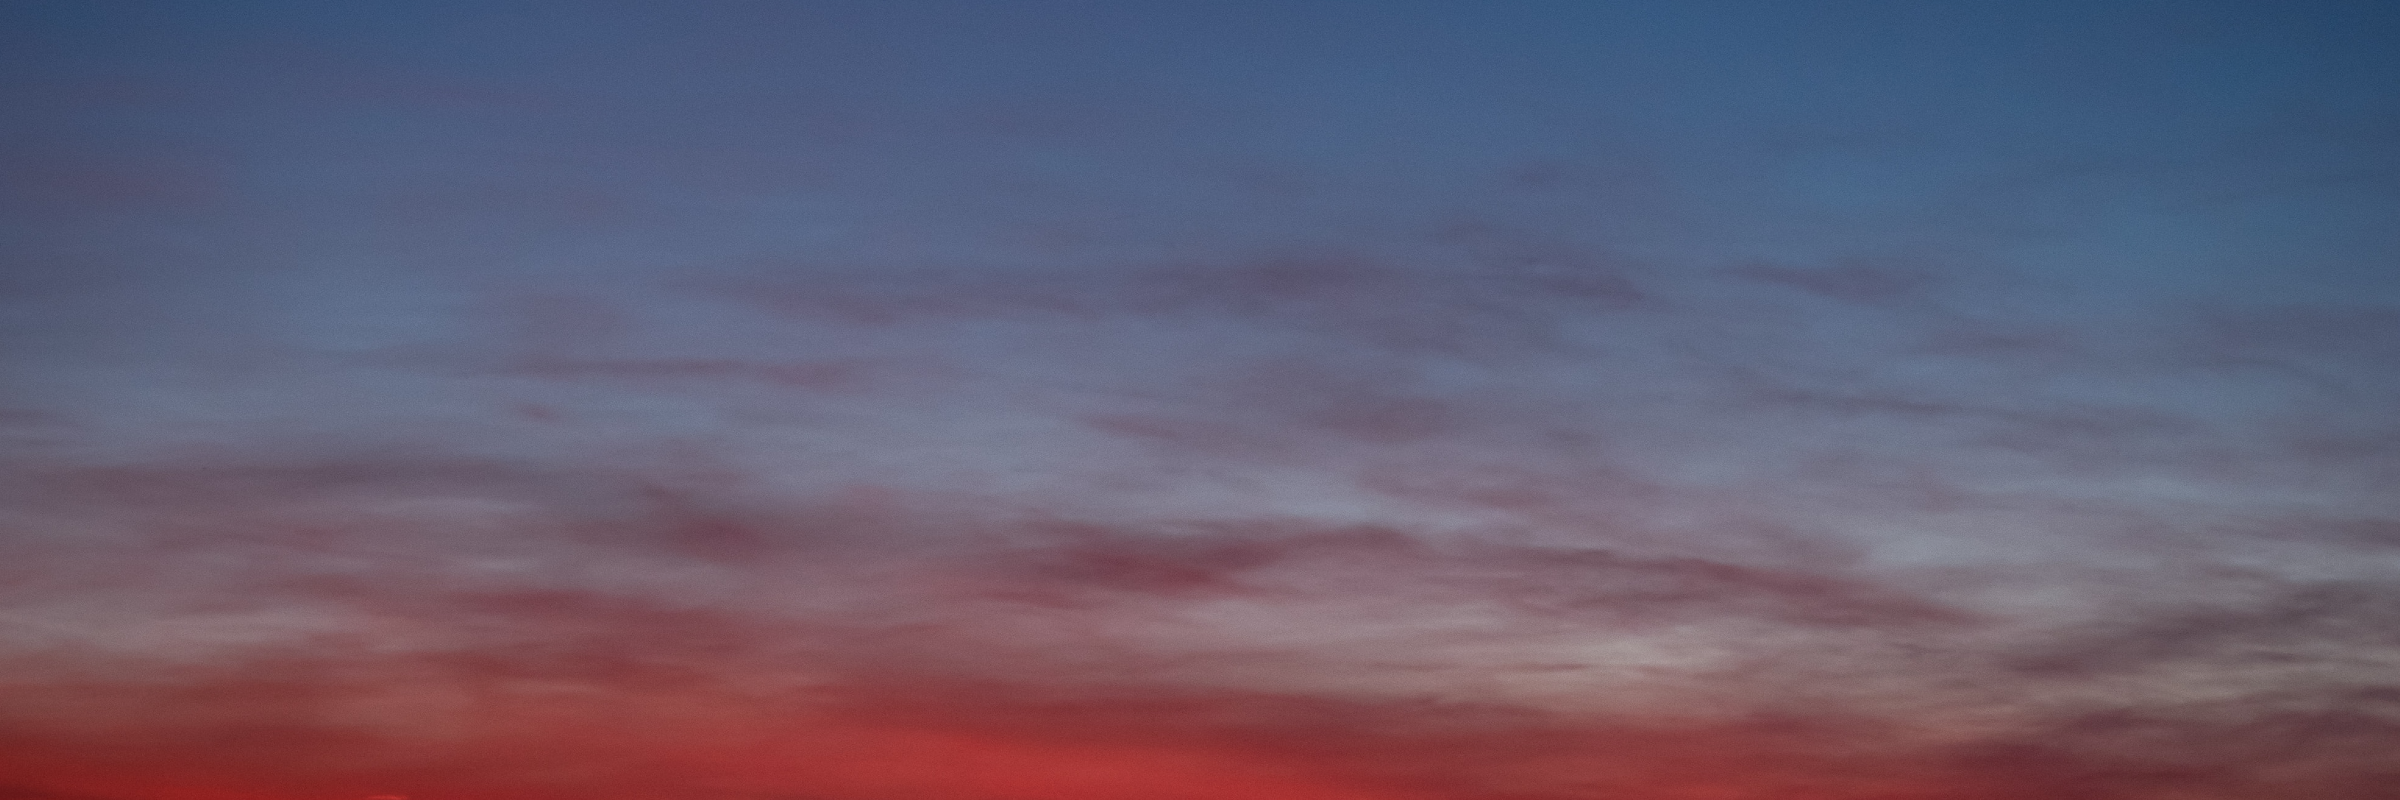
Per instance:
x=1322, y=402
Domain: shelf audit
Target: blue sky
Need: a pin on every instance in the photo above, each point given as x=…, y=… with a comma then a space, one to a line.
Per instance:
x=1286, y=400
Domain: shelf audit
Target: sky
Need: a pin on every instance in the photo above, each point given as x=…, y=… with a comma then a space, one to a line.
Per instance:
x=1310, y=400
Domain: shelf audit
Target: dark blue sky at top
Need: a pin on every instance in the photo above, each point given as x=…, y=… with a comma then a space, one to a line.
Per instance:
x=2238, y=146
x=331, y=177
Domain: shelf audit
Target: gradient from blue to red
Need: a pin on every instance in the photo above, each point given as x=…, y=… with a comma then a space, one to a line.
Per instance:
x=1283, y=401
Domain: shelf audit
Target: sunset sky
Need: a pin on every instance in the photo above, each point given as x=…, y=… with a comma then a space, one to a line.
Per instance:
x=1209, y=400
